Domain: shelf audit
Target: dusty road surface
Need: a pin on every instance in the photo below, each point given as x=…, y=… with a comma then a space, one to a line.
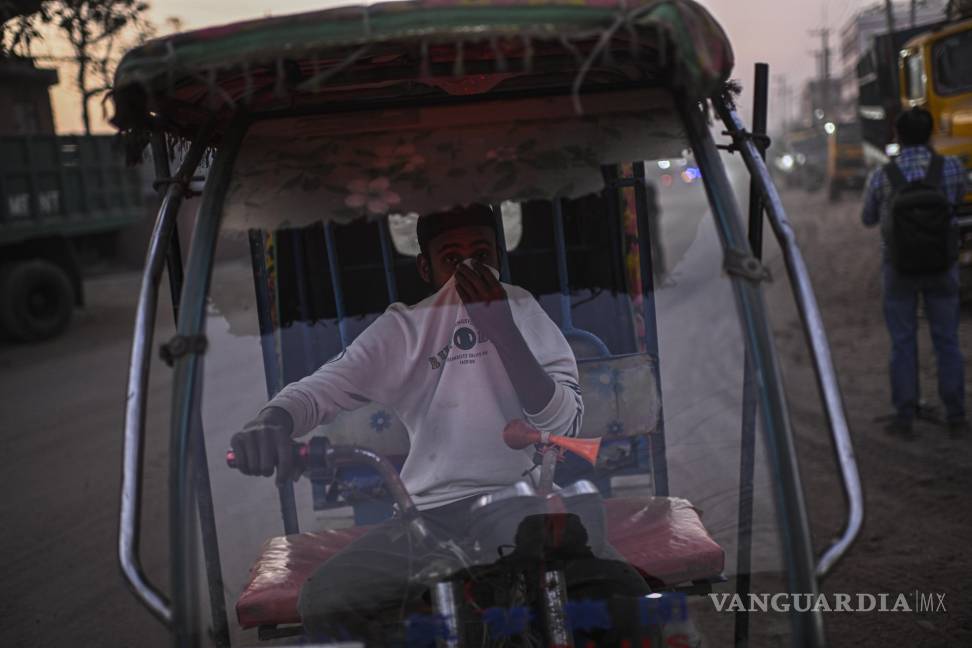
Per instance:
x=62, y=410
x=917, y=520
x=61, y=414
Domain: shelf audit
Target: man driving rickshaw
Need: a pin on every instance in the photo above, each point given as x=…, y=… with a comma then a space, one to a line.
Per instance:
x=455, y=368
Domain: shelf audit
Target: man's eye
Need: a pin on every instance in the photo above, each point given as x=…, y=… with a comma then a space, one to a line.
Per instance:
x=453, y=260
x=482, y=255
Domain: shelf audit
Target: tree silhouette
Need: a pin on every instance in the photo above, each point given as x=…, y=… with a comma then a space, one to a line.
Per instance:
x=95, y=30
x=18, y=26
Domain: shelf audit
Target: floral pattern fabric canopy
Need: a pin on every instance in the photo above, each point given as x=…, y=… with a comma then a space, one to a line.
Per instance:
x=299, y=171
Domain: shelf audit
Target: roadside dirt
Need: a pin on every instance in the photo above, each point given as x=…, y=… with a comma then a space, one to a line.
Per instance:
x=61, y=416
x=916, y=530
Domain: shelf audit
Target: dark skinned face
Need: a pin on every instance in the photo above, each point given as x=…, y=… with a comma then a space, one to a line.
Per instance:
x=450, y=248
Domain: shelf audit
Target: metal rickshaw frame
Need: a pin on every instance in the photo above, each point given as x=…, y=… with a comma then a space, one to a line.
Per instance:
x=189, y=480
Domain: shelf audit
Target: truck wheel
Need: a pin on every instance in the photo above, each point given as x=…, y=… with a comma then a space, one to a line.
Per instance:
x=36, y=300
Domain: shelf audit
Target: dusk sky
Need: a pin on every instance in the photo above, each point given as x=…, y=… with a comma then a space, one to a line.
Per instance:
x=775, y=31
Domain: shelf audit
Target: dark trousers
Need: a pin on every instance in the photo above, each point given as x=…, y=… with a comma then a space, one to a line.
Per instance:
x=940, y=293
x=372, y=580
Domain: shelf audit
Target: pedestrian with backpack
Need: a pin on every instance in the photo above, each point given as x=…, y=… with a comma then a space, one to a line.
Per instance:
x=913, y=199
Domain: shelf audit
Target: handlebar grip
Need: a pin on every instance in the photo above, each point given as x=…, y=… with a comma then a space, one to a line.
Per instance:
x=302, y=450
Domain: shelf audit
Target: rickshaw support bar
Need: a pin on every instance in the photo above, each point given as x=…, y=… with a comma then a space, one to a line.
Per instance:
x=816, y=336
x=795, y=541
x=138, y=373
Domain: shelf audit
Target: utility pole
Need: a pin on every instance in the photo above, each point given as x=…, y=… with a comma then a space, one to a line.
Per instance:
x=824, y=71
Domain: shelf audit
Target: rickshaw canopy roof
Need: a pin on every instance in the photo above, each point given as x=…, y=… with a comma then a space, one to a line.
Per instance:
x=343, y=58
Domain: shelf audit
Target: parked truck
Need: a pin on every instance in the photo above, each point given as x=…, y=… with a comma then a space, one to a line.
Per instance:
x=936, y=74
x=60, y=197
x=933, y=72
x=879, y=91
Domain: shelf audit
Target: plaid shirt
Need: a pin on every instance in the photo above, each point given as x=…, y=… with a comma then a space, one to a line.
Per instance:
x=913, y=162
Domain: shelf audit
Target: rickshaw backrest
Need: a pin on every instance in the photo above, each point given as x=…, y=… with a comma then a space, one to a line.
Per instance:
x=620, y=400
x=621, y=397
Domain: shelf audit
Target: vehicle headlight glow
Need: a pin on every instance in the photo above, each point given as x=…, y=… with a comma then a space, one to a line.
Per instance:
x=787, y=162
x=664, y=164
x=830, y=128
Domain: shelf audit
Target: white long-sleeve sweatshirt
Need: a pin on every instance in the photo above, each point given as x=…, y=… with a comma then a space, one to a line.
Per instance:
x=448, y=386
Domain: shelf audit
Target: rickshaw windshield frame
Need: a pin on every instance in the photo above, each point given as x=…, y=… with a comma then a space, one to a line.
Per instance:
x=751, y=309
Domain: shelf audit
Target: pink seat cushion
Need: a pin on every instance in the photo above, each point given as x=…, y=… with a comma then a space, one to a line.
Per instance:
x=663, y=537
x=285, y=563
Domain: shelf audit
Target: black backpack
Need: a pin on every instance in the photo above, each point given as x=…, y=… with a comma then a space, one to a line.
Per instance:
x=923, y=236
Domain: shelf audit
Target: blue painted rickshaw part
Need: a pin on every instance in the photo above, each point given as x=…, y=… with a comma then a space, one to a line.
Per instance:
x=613, y=184
x=566, y=317
x=335, y=268
x=581, y=334
x=271, y=366
x=285, y=491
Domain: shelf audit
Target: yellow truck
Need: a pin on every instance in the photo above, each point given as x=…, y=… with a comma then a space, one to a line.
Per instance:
x=935, y=71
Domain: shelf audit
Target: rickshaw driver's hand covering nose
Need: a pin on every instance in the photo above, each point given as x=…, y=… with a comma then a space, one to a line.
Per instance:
x=484, y=297
x=264, y=444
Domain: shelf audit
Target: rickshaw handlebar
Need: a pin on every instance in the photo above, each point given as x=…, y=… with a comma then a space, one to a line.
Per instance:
x=301, y=456
x=319, y=456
